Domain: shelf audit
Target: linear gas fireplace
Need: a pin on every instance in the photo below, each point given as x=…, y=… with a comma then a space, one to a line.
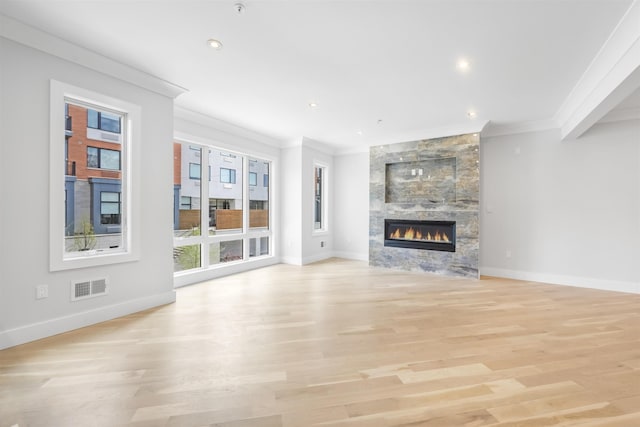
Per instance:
x=431, y=235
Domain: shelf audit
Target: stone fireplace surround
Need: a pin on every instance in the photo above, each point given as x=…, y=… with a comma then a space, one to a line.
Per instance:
x=434, y=179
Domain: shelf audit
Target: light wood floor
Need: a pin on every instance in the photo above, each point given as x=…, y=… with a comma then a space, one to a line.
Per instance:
x=339, y=343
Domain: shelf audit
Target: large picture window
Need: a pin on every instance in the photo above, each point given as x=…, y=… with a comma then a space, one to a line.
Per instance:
x=220, y=221
x=92, y=213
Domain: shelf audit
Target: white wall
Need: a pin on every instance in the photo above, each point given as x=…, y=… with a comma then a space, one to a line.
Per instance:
x=291, y=200
x=568, y=211
x=24, y=181
x=351, y=206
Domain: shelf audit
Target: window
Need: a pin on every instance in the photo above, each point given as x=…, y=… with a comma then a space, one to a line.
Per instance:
x=102, y=158
x=236, y=228
x=93, y=216
x=194, y=171
x=185, y=203
x=227, y=176
x=103, y=120
x=109, y=208
x=319, y=209
x=265, y=180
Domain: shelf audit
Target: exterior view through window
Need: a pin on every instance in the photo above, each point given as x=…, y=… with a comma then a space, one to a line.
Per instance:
x=318, y=208
x=93, y=203
x=232, y=224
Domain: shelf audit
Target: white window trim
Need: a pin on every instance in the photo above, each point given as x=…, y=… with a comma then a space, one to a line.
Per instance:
x=325, y=200
x=131, y=193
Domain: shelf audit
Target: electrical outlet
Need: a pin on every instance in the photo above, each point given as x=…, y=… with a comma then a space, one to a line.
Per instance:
x=322, y=244
x=42, y=291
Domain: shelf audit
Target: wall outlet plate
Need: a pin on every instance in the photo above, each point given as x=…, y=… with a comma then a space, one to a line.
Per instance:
x=42, y=291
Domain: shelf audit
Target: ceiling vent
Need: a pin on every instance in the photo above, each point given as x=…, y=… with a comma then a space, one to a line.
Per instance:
x=88, y=289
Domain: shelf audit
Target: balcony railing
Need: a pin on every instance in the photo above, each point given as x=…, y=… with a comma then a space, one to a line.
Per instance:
x=70, y=168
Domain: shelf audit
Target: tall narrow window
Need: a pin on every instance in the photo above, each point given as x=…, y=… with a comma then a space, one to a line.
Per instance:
x=319, y=220
x=91, y=153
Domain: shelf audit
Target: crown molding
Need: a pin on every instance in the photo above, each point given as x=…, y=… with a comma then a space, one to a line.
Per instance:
x=493, y=129
x=613, y=74
x=37, y=39
x=621, y=114
x=223, y=126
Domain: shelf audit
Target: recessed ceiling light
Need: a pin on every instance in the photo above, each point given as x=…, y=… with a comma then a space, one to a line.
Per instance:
x=215, y=44
x=463, y=64
x=471, y=114
x=313, y=105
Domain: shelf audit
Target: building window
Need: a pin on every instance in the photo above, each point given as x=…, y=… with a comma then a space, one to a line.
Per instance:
x=227, y=176
x=253, y=178
x=319, y=209
x=109, y=207
x=101, y=158
x=194, y=171
x=104, y=121
x=265, y=180
x=185, y=203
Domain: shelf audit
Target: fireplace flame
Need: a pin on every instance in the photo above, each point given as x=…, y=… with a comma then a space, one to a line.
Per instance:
x=411, y=234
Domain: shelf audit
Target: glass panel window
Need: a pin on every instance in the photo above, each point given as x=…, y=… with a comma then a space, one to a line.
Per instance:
x=185, y=202
x=225, y=196
x=227, y=176
x=92, y=157
x=186, y=257
x=103, y=120
x=258, y=246
x=253, y=179
x=109, y=208
x=319, y=208
x=102, y=158
x=186, y=185
x=221, y=252
x=109, y=159
x=194, y=171
x=258, y=195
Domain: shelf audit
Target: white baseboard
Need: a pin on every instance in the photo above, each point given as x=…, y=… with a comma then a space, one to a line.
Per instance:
x=292, y=260
x=557, y=279
x=352, y=255
x=315, y=258
x=36, y=331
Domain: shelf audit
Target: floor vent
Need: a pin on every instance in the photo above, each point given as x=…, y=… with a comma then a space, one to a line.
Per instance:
x=88, y=289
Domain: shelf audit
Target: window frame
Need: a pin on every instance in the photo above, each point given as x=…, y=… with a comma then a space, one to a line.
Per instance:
x=130, y=128
x=324, y=219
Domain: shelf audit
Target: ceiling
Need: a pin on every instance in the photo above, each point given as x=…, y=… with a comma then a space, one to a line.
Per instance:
x=379, y=71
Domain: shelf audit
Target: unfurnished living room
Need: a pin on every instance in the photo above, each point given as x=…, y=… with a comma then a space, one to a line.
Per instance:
x=289, y=213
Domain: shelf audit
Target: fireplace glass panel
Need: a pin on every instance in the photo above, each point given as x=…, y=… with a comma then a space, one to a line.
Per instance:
x=433, y=235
